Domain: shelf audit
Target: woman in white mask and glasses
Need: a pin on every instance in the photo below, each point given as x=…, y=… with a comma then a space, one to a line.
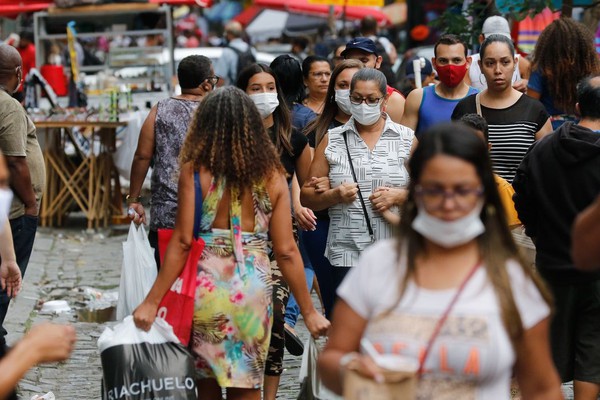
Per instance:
x=364, y=161
x=450, y=294
x=260, y=83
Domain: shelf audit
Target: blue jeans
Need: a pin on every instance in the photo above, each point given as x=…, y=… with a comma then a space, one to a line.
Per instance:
x=23, y=231
x=293, y=310
x=315, y=242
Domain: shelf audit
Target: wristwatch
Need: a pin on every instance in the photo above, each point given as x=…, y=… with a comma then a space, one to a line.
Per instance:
x=129, y=199
x=347, y=358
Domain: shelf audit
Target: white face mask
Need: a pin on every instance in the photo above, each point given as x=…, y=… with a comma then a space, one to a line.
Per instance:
x=364, y=114
x=266, y=103
x=342, y=98
x=449, y=234
x=6, y=196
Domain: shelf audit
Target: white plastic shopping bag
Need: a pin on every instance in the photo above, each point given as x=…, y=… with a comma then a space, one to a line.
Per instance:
x=138, y=365
x=138, y=271
x=311, y=387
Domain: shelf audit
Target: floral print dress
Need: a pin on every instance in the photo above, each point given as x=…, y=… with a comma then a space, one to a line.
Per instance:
x=233, y=310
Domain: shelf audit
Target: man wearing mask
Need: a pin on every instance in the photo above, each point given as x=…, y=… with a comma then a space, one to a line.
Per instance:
x=364, y=50
x=431, y=105
x=161, y=139
x=18, y=142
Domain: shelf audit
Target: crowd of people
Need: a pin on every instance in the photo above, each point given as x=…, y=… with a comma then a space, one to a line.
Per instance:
x=316, y=174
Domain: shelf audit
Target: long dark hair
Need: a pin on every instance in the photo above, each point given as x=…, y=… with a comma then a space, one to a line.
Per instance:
x=289, y=74
x=496, y=244
x=564, y=54
x=237, y=149
x=282, y=121
x=322, y=123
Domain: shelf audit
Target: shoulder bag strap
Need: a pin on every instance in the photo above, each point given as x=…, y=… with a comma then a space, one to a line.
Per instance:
x=444, y=317
x=360, y=196
x=478, y=104
x=197, y=203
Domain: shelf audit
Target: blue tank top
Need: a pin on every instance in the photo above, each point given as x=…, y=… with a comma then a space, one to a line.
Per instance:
x=435, y=109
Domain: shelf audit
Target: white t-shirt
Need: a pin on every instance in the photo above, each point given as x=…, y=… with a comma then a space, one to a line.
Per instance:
x=472, y=358
x=477, y=78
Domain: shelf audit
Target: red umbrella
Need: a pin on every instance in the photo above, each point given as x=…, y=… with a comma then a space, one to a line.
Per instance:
x=303, y=6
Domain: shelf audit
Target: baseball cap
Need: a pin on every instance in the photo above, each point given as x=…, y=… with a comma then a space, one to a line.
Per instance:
x=496, y=25
x=360, y=43
x=425, y=71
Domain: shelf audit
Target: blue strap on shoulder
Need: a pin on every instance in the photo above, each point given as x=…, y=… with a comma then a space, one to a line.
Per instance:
x=197, y=203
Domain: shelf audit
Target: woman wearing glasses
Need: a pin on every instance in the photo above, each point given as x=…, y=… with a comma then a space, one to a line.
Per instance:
x=317, y=72
x=364, y=160
x=160, y=142
x=451, y=292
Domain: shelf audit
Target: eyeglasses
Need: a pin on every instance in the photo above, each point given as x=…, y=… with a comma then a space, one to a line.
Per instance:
x=370, y=101
x=213, y=80
x=434, y=198
x=321, y=74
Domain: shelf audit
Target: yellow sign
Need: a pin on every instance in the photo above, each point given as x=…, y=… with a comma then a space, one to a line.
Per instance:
x=370, y=3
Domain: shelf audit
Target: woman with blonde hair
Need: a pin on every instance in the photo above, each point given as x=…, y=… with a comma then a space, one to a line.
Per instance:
x=245, y=200
x=450, y=292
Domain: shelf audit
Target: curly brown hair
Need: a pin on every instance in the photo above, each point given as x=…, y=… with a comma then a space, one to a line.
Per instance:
x=228, y=138
x=564, y=55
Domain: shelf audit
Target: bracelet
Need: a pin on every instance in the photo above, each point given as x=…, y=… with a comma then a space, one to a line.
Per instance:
x=130, y=199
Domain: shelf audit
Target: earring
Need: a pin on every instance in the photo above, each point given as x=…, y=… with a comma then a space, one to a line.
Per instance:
x=490, y=210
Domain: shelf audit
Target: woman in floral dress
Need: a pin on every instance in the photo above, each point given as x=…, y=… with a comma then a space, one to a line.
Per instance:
x=245, y=199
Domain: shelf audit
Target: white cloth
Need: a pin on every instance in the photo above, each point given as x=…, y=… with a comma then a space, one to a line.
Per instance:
x=385, y=165
x=477, y=78
x=472, y=358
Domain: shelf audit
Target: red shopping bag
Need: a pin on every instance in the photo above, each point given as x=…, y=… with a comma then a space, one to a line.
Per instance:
x=177, y=305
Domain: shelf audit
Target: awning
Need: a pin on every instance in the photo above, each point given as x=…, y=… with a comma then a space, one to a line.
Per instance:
x=13, y=8
x=304, y=7
x=201, y=3
x=263, y=24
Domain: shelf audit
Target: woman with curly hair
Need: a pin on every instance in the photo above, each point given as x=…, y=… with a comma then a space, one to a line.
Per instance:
x=564, y=54
x=245, y=201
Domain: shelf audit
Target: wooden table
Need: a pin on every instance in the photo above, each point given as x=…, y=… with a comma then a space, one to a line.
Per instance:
x=88, y=179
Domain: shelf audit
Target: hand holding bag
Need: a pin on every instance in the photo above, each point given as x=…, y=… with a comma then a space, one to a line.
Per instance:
x=138, y=272
x=311, y=387
x=177, y=305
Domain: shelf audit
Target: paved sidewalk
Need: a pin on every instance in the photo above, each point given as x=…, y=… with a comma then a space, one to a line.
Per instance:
x=63, y=262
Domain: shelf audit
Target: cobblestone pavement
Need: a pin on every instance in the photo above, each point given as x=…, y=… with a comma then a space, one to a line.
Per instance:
x=63, y=264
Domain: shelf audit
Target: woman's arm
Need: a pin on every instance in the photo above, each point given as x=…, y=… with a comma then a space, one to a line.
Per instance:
x=304, y=216
x=533, y=351
x=43, y=343
x=316, y=199
x=344, y=339
x=546, y=129
x=302, y=166
x=586, y=238
x=141, y=162
x=288, y=256
x=177, y=250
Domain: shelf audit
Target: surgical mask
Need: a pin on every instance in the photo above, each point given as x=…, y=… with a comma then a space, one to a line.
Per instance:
x=449, y=234
x=6, y=196
x=266, y=103
x=451, y=75
x=342, y=98
x=364, y=114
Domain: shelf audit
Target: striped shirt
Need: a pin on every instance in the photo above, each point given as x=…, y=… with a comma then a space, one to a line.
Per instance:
x=511, y=130
x=383, y=166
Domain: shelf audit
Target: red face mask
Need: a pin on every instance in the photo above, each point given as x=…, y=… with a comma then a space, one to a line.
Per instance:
x=451, y=75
